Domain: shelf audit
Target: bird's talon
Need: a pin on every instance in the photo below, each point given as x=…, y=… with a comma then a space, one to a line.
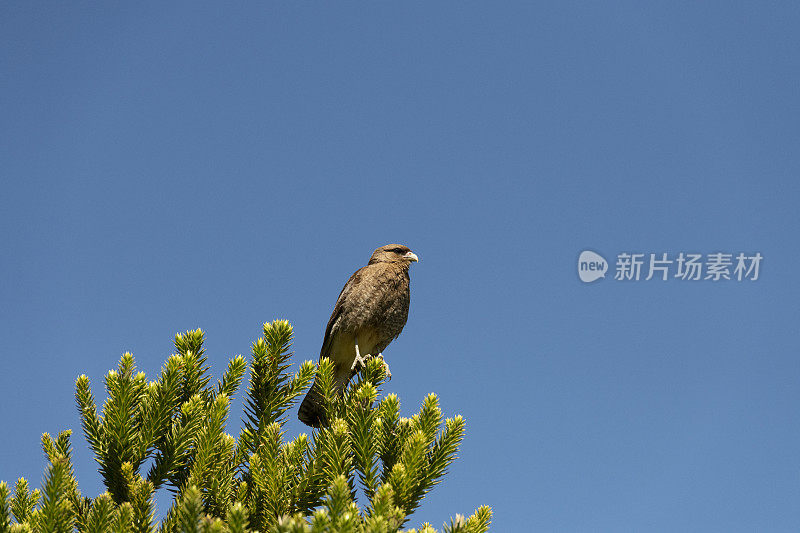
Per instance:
x=385, y=367
x=358, y=364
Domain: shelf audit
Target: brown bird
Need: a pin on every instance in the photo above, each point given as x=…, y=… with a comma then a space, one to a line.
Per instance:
x=369, y=314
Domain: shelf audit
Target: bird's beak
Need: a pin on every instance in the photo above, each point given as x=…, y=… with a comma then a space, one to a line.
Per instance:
x=411, y=256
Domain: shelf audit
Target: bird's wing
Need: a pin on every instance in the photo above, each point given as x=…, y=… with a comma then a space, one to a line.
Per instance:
x=338, y=310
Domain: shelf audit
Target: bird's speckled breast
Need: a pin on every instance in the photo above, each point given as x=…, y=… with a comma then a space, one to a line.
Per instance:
x=381, y=307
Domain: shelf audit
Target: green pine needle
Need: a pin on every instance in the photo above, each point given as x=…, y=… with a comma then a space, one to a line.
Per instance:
x=257, y=482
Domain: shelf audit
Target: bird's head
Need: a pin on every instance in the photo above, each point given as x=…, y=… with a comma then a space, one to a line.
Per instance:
x=393, y=253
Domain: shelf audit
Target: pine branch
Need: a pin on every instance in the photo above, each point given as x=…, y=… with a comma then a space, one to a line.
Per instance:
x=333, y=401
x=172, y=461
x=23, y=502
x=120, y=426
x=271, y=392
x=384, y=515
x=5, y=507
x=344, y=513
x=160, y=405
x=56, y=513
x=190, y=511
x=311, y=483
x=480, y=521
x=211, y=451
x=429, y=418
x=92, y=426
x=363, y=423
x=393, y=433
x=232, y=378
x=61, y=449
x=257, y=482
x=334, y=452
x=189, y=346
x=477, y=523
x=101, y=515
x=406, y=474
x=141, y=499
x=222, y=482
x=123, y=519
x=444, y=450
x=237, y=519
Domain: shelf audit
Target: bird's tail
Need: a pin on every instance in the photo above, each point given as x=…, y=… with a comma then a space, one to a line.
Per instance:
x=312, y=408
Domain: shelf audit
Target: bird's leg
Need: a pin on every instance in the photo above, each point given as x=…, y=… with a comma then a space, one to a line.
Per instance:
x=358, y=361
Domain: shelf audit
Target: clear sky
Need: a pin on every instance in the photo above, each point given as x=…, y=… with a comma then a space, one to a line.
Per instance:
x=167, y=166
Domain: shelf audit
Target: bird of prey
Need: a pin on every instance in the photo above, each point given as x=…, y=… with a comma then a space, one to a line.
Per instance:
x=369, y=314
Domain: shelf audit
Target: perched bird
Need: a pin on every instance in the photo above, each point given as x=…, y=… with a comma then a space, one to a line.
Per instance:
x=369, y=314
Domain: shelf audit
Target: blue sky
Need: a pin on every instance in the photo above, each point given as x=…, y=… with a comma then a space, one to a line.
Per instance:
x=182, y=165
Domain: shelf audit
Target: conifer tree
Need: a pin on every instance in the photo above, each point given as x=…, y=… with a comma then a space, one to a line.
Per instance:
x=258, y=481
